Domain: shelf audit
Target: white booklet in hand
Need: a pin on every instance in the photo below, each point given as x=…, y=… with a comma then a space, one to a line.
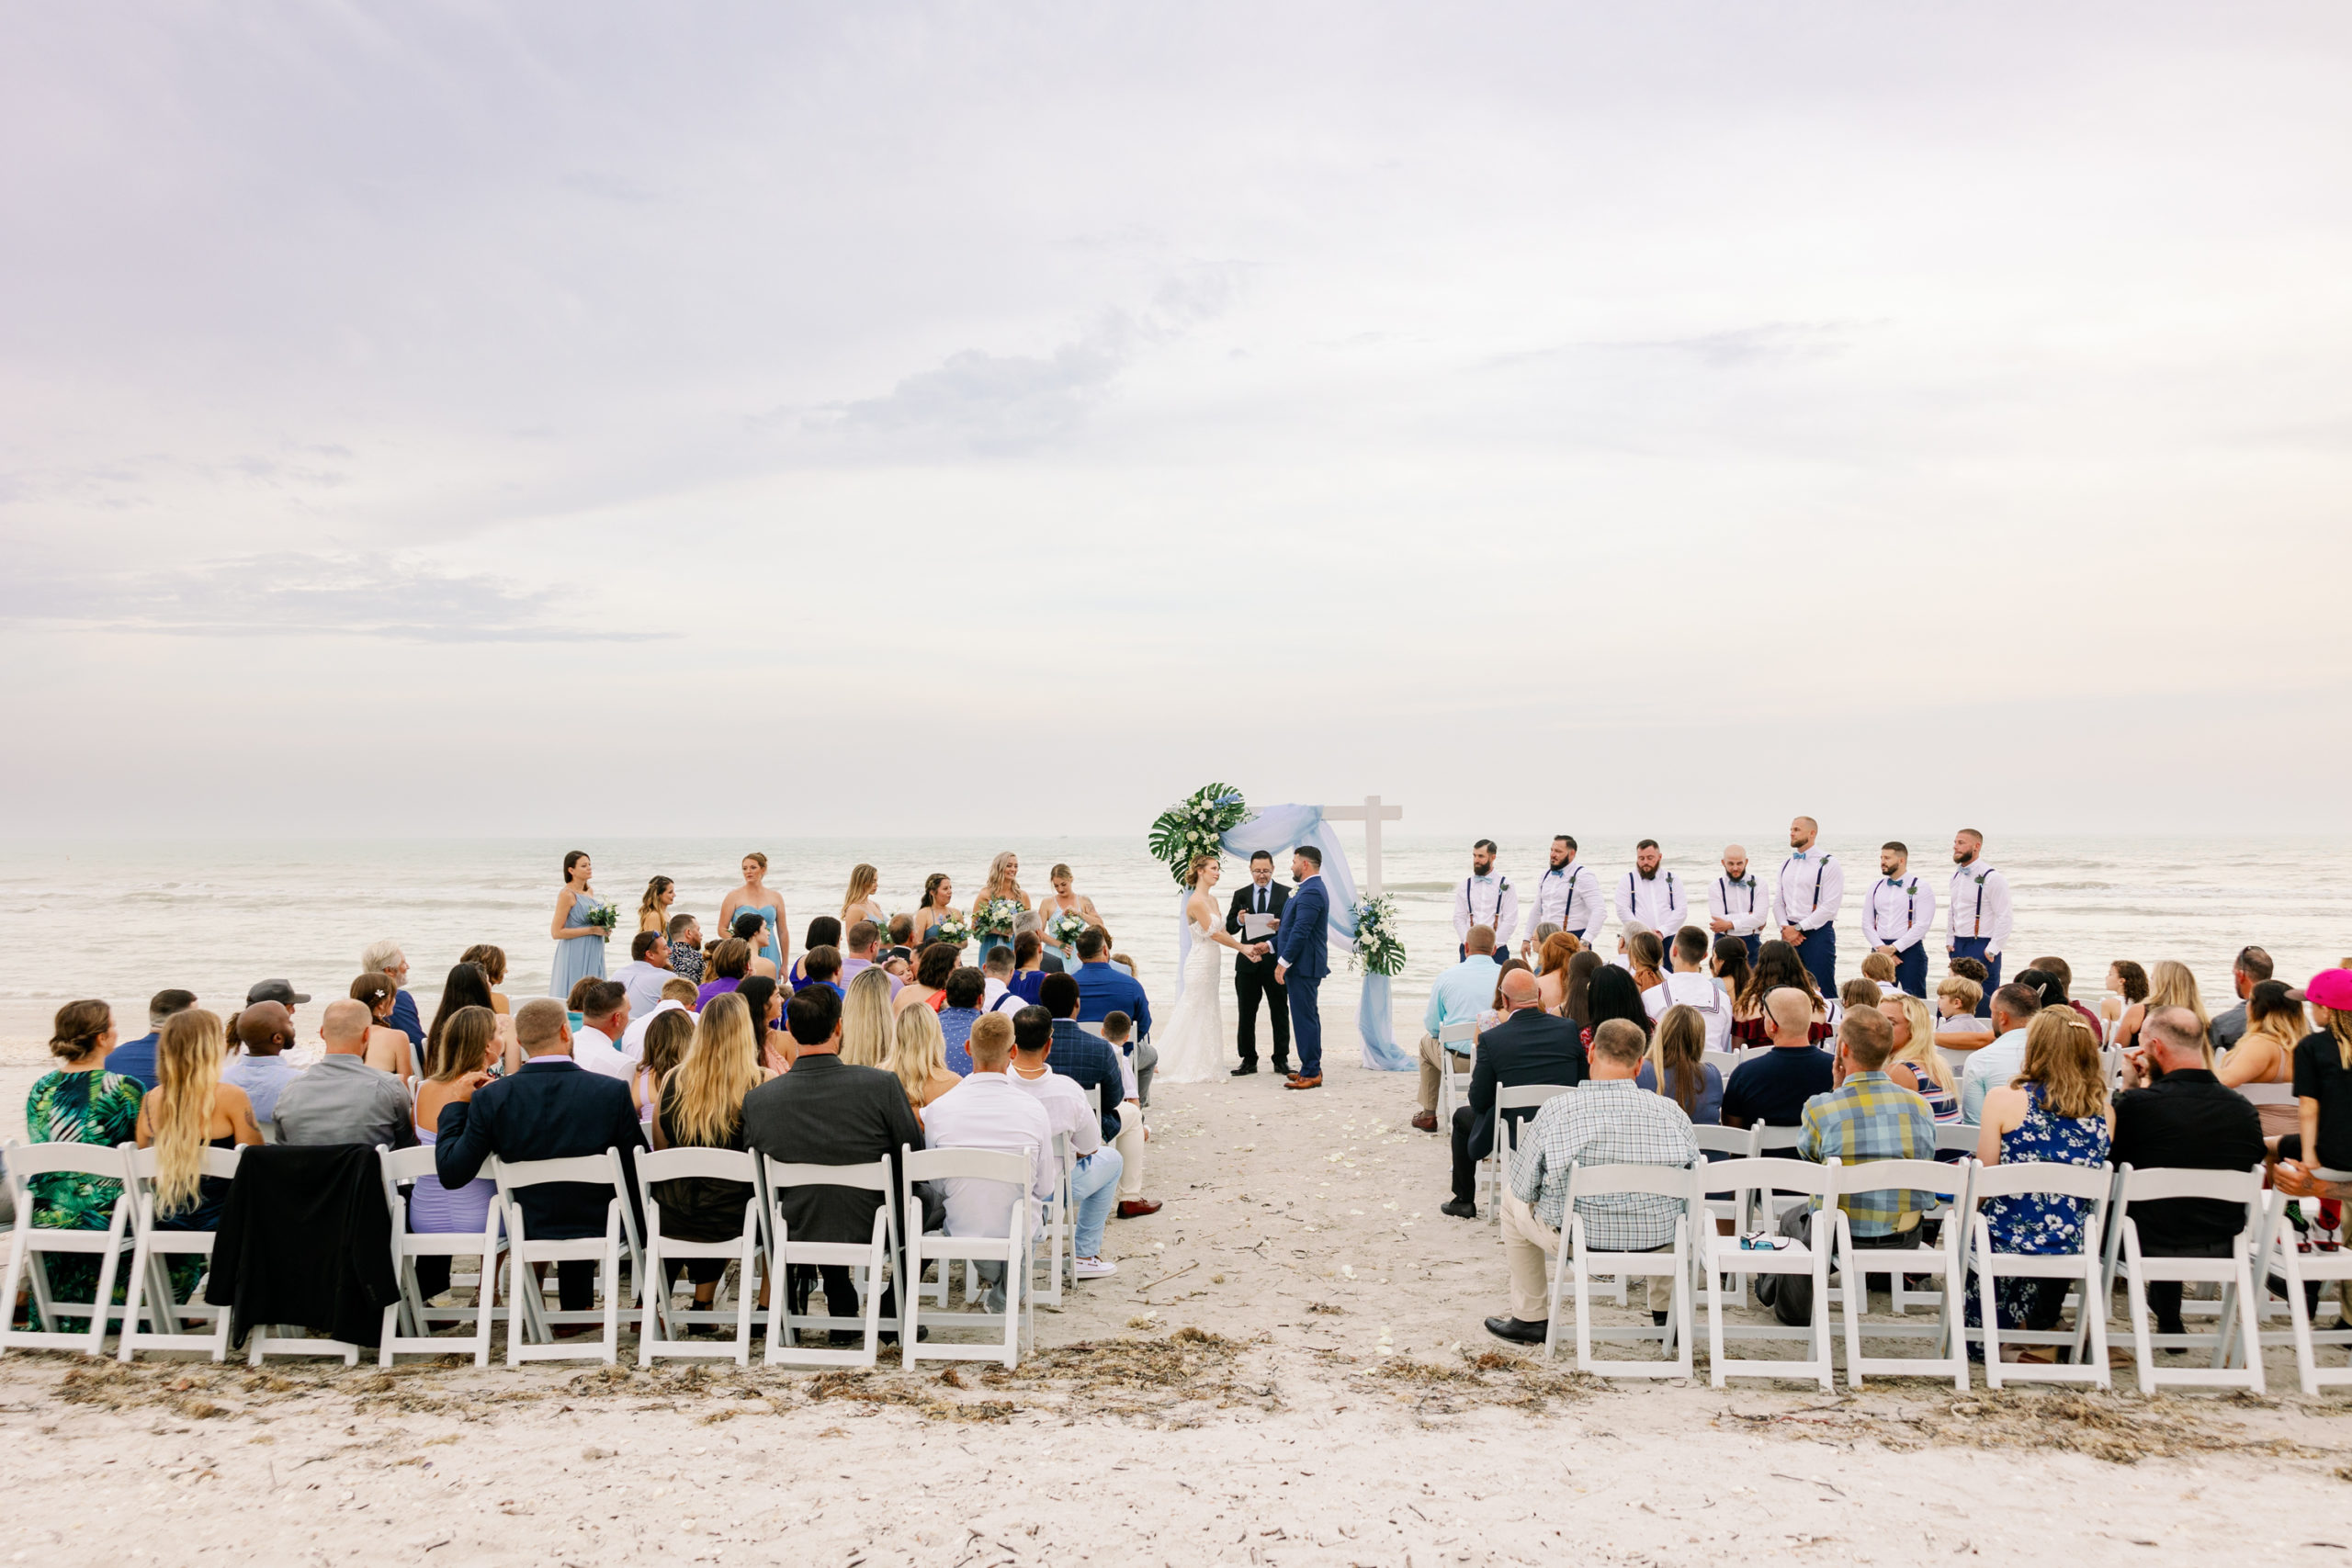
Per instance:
x=1255, y=927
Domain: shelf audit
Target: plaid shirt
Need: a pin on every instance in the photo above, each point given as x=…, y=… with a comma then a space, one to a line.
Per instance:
x=1871, y=1117
x=1605, y=1121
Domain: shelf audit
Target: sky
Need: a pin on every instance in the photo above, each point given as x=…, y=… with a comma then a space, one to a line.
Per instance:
x=452, y=419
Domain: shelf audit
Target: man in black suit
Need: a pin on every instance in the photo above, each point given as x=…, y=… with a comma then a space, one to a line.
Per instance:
x=825, y=1112
x=1254, y=977
x=1529, y=1046
x=547, y=1108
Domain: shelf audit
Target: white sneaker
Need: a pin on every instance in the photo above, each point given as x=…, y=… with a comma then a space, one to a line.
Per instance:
x=1094, y=1269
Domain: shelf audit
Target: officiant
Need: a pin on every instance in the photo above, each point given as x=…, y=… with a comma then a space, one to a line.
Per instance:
x=1257, y=910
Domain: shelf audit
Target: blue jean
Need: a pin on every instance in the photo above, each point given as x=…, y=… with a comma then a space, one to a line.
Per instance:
x=1094, y=1187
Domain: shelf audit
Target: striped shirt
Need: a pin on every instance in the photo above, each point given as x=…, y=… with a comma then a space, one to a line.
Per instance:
x=1605, y=1121
x=1870, y=1117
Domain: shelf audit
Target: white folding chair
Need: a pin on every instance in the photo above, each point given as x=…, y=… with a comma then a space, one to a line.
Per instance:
x=2288, y=1262
x=1855, y=1265
x=1014, y=1249
x=1724, y=1063
x=408, y=1323
x=1493, y=1173
x=1735, y=1143
x=661, y=1327
x=29, y=1244
x=2085, y=1271
x=1952, y=1138
x=148, y=1295
x=1771, y=1143
x=1457, y=1042
x=1723, y=1254
x=873, y=1256
x=1060, y=1226
x=529, y=1323
x=1576, y=1259
x=2235, y=1328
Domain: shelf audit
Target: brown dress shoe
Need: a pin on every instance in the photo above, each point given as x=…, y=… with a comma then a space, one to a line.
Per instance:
x=1426, y=1121
x=1137, y=1208
x=1314, y=1082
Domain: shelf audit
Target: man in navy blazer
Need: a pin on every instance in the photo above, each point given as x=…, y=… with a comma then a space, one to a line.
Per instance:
x=551, y=1108
x=1529, y=1046
x=1302, y=948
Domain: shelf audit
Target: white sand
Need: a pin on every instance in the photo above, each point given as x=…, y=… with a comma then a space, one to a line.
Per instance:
x=1300, y=1445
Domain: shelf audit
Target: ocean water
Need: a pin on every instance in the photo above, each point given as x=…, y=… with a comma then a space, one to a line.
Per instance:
x=121, y=921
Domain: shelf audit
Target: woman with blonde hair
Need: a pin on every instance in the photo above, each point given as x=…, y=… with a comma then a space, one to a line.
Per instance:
x=919, y=1058
x=2170, y=985
x=2056, y=1111
x=859, y=903
x=1003, y=881
x=188, y=1112
x=653, y=909
x=1678, y=1060
x=2264, y=1053
x=1552, y=970
x=938, y=902
x=702, y=1108
x=867, y=1028
x=1065, y=899
x=1915, y=1063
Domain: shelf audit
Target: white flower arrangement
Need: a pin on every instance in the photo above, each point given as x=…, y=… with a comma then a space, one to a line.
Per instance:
x=1196, y=825
x=996, y=917
x=1065, y=928
x=1377, y=945
x=950, y=928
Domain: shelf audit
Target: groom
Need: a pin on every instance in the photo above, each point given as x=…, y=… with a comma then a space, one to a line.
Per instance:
x=1302, y=949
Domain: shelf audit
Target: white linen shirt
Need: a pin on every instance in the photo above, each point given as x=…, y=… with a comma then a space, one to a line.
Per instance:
x=1979, y=906
x=594, y=1050
x=1702, y=993
x=1490, y=901
x=1898, y=912
x=1793, y=899
x=1570, y=899
x=1659, y=902
x=989, y=1110
x=1744, y=903
x=1065, y=1108
x=633, y=1037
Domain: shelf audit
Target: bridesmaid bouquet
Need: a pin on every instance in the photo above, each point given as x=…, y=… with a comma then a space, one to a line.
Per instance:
x=996, y=917
x=1377, y=944
x=605, y=917
x=1065, y=928
x=951, y=928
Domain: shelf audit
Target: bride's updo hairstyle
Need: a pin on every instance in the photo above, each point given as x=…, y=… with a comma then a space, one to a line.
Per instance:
x=1192, y=873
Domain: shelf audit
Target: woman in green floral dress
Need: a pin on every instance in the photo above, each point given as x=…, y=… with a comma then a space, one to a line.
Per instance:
x=80, y=1102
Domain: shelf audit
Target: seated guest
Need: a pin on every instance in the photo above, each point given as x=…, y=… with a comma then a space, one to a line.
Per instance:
x=1865, y=1118
x=820, y=965
x=750, y=928
x=919, y=1058
x=646, y=971
x=960, y=1011
x=1028, y=968
x=1529, y=1046
x=2322, y=1138
x=458, y=1048
x=1778, y=966
x=1678, y=1060
x=1094, y=1180
x=2264, y=1053
x=1137, y=1059
x=1092, y=1061
x=2013, y=1006
x=2175, y=1113
x=996, y=982
x=80, y=1100
x=1957, y=1026
x=135, y=1059
x=865, y=944
x=701, y=1105
x=661, y=1049
x=2251, y=967
x=388, y=1048
x=764, y=1004
x=1861, y=994
x=491, y=959
x=1555, y=955
x=869, y=1027
x=1916, y=1064
x=1045, y=960
x=468, y=986
x=1103, y=987
x=823, y=931
x=339, y=1099
x=2062, y=973
x=1879, y=969
x=380, y=957
x=1458, y=995
x=1692, y=984
x=189, y=1110
x=604, y=1014
x=546, y=1108
x=901, y=933
x=988, y=1111
x=677, y=995
x=1771, y=1089
x=265, y=1030
x=2054, y=1112
x=929, y=987
x=825, y=1112
x=1608, y=1120
x=730, y=962
x=685, y=939
x=1646, y=958
x=1615, y=993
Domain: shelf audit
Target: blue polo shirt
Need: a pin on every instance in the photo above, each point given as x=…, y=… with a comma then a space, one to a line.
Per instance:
x=1105, y=988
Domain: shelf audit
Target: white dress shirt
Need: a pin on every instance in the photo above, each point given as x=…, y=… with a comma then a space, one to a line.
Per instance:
x=633, y=1037
x=990, y=989
x=1979, y=906
x=1569, y=898
x=989, y=1110
x=643, y=982
x=1065, y=1108
x=1744, y=903
x=1811, y=887
x=1658, y=902
x=1898, y=912
x=1490, y=901
x=1702, y=992
x=594, y=1050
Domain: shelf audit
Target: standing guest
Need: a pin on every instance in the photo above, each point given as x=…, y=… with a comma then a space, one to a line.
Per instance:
x=384, y=957
x=857, y=903
x=1977, y=923
x=1731, y=964
x=2322, y=1138
x=1897, y=914
x=1103, y=987
x=189, y=1110
x=1778, y=966
x=2264, y=1053
x=492, y=960
x=266, y=1031
x=603, y=1023
x=648, y=970
x=828, y=1112
x=1691, y=986
x=1806, y=898
x=1553, y=960
x=929, y=987
x=960, y=1011
x=919, y=1058
x=460, y=1048
x=823, y=931
x=989, y=1110
x=1678, y=1059
x=668, y=1037
x=1771, y=1089
x=729, y=961
x=2013, y=1008
x=938, y=903
x=754, y=894
x=653, y=909
x=1455, y=997
x=134, y=1059
x=820, y=965
x=388, y=1048
x=1917, y=1065
x=1484, y=898
x=1253, y=973
x=1529, y=1046
x=1609, y=1119
x=1738, y=905
x=2249, y=969
x=81, y=1100
x=547, y=1108
x=1649, y=896
x=996, y=981
x=339, y=1099
x=578, y=946
x=2054, y=1112
x=865, y=944
x=701, y=1107
x=2174, y=1114
x=685, y=948
x=750, y=929
x=2127, y=983
x=763, y=1001
x=1094, y=1176
x=869, y=1029
x=1564, y=897
x=2170, y=985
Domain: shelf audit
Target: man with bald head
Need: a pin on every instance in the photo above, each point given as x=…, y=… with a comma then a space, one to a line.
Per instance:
x=265, y=1030
x=341, y=1099
x=1738, y=905
x=1771, y=1088
x=1805, y=900
x=1529, y=1046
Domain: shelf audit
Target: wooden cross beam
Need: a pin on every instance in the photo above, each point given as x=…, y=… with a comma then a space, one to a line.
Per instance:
x=1371, y=814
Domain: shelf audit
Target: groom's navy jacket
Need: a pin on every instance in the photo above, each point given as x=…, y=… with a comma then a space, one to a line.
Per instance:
x=1302, y=940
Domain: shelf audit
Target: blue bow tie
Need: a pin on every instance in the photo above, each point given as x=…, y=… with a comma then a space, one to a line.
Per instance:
x=1799, y=855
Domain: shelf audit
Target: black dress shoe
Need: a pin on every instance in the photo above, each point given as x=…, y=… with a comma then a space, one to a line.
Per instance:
x=1458, y=1208
x=1244, y=1070
x=1515, y=1331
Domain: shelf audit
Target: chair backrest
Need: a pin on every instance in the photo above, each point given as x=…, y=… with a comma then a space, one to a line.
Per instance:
x=673, y=1165
x=1095, y=1030
x=1943, y=1179
x=1769, y=1138
x=416, y=1165
x=1094, y=1098
x=1666, y=1181
x=603, y=1169
x=27, y=1160
x=2010, y=1179
x=2268, y=1093
x=1723, y=1062
x=1715, y=1139
x=875, y=1178
x=1011, y=1166
x=1957, y=1138
x=1463, y=1034
x=1775, y=1175
x=217, y=1162
x=1526, y=1096
x=2176, y=1181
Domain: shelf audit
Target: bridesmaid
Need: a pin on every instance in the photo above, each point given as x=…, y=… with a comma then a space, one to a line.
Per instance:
x=1004, y=873
x=938, y=901
x=653, y=909
x=859, y=903
x=578, y=946
x=1063, y=901
x=755, y=893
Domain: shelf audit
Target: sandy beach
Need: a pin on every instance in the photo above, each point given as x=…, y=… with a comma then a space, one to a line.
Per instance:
x=1289, y=1369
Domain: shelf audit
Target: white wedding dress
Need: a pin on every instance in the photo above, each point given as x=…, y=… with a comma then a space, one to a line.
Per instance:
x=1191, y=1042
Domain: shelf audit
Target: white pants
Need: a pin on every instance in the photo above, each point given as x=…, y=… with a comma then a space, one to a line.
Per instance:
x=1129, y=1142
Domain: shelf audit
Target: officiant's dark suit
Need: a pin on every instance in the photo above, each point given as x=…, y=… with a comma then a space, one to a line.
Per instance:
x=1254, y=977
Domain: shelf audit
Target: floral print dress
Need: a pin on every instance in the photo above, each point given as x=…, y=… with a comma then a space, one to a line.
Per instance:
x=100, y=1107
x=2038, y=1221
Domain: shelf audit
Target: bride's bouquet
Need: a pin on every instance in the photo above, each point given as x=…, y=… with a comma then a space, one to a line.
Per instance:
x=1065, y=928
x=1196, y=825
x=996, y=917
x=1377, y=945
x=952, y=929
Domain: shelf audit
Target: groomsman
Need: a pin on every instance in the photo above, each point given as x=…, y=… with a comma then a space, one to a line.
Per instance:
x=1650, y=897
x=1737, y=904
x=1565, y=896
x=1805, y=901
x=1484, y=898
x=1254, y=977
x=1897, y=916
x=1977, y=925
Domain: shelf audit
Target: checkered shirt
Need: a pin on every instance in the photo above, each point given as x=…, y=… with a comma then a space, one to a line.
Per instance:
x=1869, y=1117
x=1604, y=1122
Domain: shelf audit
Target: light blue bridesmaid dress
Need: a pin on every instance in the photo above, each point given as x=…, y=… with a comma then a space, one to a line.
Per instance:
x=577, y=958
x=774, y=950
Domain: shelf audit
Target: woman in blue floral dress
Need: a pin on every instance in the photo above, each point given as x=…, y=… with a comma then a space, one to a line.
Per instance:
x=2054, y=1112
x=79, y=1102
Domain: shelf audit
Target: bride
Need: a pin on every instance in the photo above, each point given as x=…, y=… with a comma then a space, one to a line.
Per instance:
x=1192, y=1044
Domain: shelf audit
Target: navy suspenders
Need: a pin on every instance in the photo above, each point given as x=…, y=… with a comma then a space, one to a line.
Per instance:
x=1911, y=904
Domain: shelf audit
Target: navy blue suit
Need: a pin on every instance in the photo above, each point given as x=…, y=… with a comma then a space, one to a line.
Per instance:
x=1303, y=941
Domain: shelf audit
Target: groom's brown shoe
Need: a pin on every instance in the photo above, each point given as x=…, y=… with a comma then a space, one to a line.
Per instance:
x=1297, y=1081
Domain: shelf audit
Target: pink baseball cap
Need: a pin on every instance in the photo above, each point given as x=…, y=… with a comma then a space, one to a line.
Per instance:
x=2328, y=988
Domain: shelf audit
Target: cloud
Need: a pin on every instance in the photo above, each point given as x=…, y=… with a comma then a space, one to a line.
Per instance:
x=292, y=594
x=993, y=402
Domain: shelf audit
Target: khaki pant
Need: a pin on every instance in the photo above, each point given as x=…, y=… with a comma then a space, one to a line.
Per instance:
x=1129, y=1142
x=1432, y=1075
x=1529, y=1247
